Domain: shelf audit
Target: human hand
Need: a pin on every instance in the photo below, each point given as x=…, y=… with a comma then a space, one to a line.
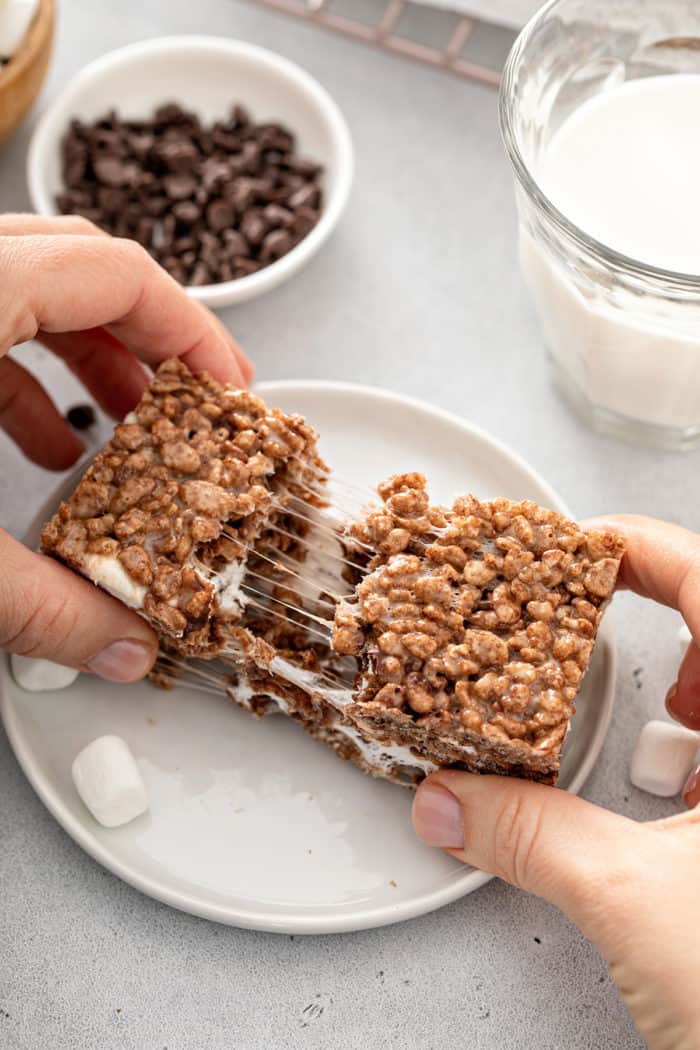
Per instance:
x=632, y=888
x=101, y=304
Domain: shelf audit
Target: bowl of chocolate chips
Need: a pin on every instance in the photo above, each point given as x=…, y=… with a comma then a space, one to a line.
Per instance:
x=228, y=163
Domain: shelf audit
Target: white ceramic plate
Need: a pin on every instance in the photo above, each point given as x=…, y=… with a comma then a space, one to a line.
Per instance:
x=252, y=823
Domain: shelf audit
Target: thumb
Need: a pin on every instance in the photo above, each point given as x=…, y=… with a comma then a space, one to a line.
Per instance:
x=48, y=611
x=538, y=838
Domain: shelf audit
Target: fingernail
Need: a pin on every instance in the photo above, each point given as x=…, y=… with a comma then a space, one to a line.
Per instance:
x=683, y=703
x=691, y=791
x=670, y=697
x=437, y=817
x=123, y=661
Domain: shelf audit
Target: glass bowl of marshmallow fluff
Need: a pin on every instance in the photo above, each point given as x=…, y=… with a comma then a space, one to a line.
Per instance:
x=598, y=110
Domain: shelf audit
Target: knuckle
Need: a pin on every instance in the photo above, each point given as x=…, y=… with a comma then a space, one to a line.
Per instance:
x=17, y=323
x=37, y=625
x=78, y=224
x=516, y=834
x=134, y=254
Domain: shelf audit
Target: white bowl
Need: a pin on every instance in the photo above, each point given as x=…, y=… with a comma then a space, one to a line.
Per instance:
x=207, y=75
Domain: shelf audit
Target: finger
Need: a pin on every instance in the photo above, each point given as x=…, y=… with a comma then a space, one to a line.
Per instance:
x=19, y=225
x=64, y=284
x=683, y=698
x=103, y=364
x=662, y=562
x=538, y=838
x=48, y=611
x=30, y=418
x=691, y=790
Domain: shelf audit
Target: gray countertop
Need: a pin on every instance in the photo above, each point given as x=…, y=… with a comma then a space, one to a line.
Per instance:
x=417, y=291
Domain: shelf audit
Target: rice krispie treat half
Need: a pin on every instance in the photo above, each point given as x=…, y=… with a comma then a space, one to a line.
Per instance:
x=168, y=512
x=473, y=627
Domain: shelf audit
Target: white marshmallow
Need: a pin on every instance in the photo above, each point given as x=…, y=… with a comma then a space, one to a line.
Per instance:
x=15, y=18
x=109, y=782
x=663, y=758
x=684, y=639
x=37, y=676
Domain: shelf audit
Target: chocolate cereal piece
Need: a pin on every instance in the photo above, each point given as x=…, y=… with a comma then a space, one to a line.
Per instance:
x=473, y=627
x=210, y=203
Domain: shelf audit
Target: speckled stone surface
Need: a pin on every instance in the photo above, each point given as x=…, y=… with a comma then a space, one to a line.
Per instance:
x=418, y=291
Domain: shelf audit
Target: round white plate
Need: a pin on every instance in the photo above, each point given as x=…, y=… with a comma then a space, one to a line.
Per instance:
x=252, y=823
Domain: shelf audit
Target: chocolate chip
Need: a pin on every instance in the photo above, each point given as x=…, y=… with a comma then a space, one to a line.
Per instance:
x=184, y=244
x=200, y=275
x=275, y=215
x=305, y=197
x=179, y=187
x=155, y=206
x=241, y=194
x=235, y=243
x=209, y=203
x=219, y=215
x=240, y=116
x=304, y=220
x=81, y=417
x=187, y=212
x=111, y=171
x=178, y=155
x=253, y=227
x=243, y=267
x=275, y=245
x=170, y=113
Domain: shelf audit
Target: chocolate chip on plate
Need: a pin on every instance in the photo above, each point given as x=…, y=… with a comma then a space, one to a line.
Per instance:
x=81, y=417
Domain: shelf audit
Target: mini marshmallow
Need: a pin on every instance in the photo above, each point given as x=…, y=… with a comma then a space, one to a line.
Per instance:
x=684, y=639
x=663, y=758
x=38, y=676
x=15, y=18
x=109, y=782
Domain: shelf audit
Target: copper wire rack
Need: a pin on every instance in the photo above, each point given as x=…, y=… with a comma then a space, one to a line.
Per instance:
x=384, y=33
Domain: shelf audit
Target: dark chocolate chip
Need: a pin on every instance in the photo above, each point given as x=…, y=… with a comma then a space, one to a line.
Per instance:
x=184, y=244
x=240, y=116
x=275, y=215
x=200, y=275
x=219, y=215
x=178, y=155
x=276, y=244
x=187, y=212
x=111, y=171
x=244, y=267
x=180, y=186
x=81, y=417
x=304, y=220
x=253, y=227
x=235, y=244
x=305, y=197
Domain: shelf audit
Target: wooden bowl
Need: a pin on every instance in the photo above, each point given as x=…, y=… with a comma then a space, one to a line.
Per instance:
x=22, y=77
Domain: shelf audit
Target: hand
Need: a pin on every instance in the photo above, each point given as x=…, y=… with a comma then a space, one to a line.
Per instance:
x=102, y=305
x=631, y=888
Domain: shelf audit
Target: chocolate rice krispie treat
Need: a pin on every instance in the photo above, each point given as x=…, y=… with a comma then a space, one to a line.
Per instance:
x=473, y=627
x=168, y=512
x=414, y=637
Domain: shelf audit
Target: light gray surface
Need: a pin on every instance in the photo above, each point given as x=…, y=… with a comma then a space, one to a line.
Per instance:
x=418, y=291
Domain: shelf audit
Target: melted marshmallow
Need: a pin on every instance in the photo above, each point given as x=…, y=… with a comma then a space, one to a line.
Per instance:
x=108, y=573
